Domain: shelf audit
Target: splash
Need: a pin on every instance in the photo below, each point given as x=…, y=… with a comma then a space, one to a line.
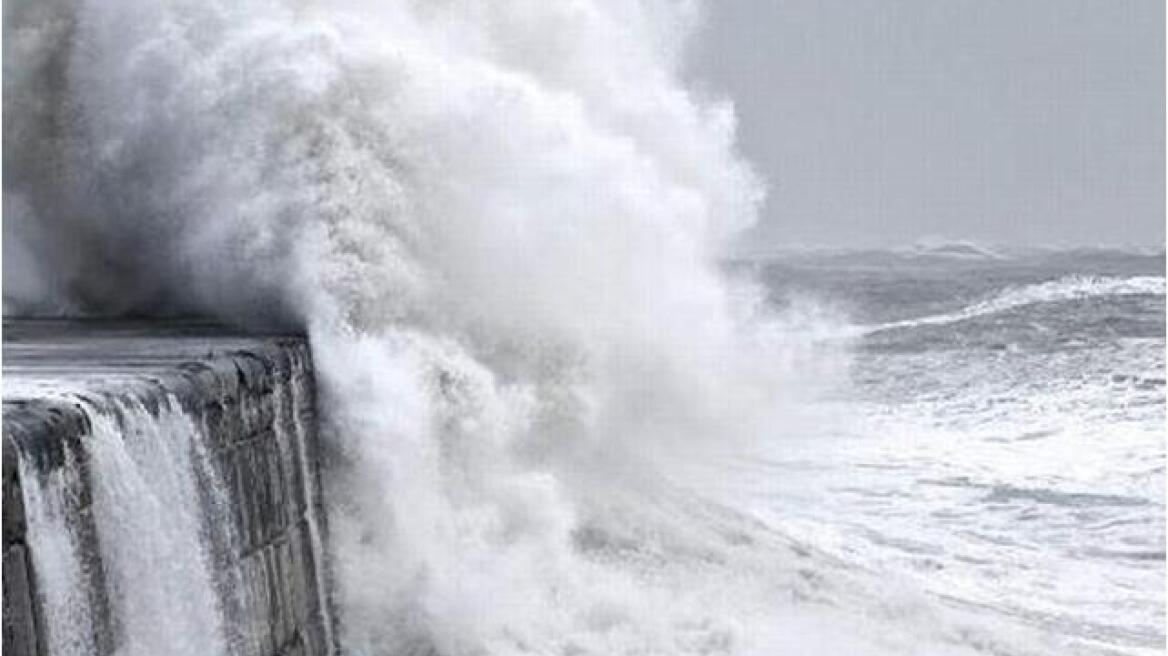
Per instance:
x=498, y=223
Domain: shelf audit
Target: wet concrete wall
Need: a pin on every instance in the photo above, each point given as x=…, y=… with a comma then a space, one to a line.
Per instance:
x=249, y=408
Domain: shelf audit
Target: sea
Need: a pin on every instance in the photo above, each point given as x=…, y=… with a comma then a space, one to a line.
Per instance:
x=1002, y=446
x=553, y=425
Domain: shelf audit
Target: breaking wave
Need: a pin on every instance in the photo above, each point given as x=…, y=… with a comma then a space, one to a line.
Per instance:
x=1068, y=288
x=499, y=224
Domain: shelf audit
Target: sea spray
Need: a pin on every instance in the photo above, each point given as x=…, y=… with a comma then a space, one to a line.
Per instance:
x=498, y=223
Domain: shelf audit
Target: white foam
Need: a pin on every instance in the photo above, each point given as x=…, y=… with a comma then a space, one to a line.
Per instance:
x=1068, y=288
x=499, y=224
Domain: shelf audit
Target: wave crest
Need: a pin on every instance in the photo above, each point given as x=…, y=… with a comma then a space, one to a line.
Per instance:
x=1067, y=288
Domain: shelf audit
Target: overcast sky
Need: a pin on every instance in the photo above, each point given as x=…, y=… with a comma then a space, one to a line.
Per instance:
x=879, y=122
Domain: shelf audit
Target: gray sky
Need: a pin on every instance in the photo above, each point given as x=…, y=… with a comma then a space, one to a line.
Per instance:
x=879, y=122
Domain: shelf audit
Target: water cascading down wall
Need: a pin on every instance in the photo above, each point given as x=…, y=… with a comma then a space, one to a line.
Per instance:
x=161, y=493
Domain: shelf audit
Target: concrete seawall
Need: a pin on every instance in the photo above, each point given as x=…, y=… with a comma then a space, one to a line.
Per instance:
x=161, y=492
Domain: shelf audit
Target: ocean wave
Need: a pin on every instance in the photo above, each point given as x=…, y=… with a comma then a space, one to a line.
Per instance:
x=1067, y=288
x=504, y=261
x=955, y=249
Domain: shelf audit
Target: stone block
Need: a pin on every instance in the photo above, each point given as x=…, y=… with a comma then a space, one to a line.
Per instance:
x=250, y=397
x=20, y=622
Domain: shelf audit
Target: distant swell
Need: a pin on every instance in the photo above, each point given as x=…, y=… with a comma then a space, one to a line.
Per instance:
x=1068, y=288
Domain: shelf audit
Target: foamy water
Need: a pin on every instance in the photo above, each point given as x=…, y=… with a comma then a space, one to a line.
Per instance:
x=1008, y=461
x=500, y=225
